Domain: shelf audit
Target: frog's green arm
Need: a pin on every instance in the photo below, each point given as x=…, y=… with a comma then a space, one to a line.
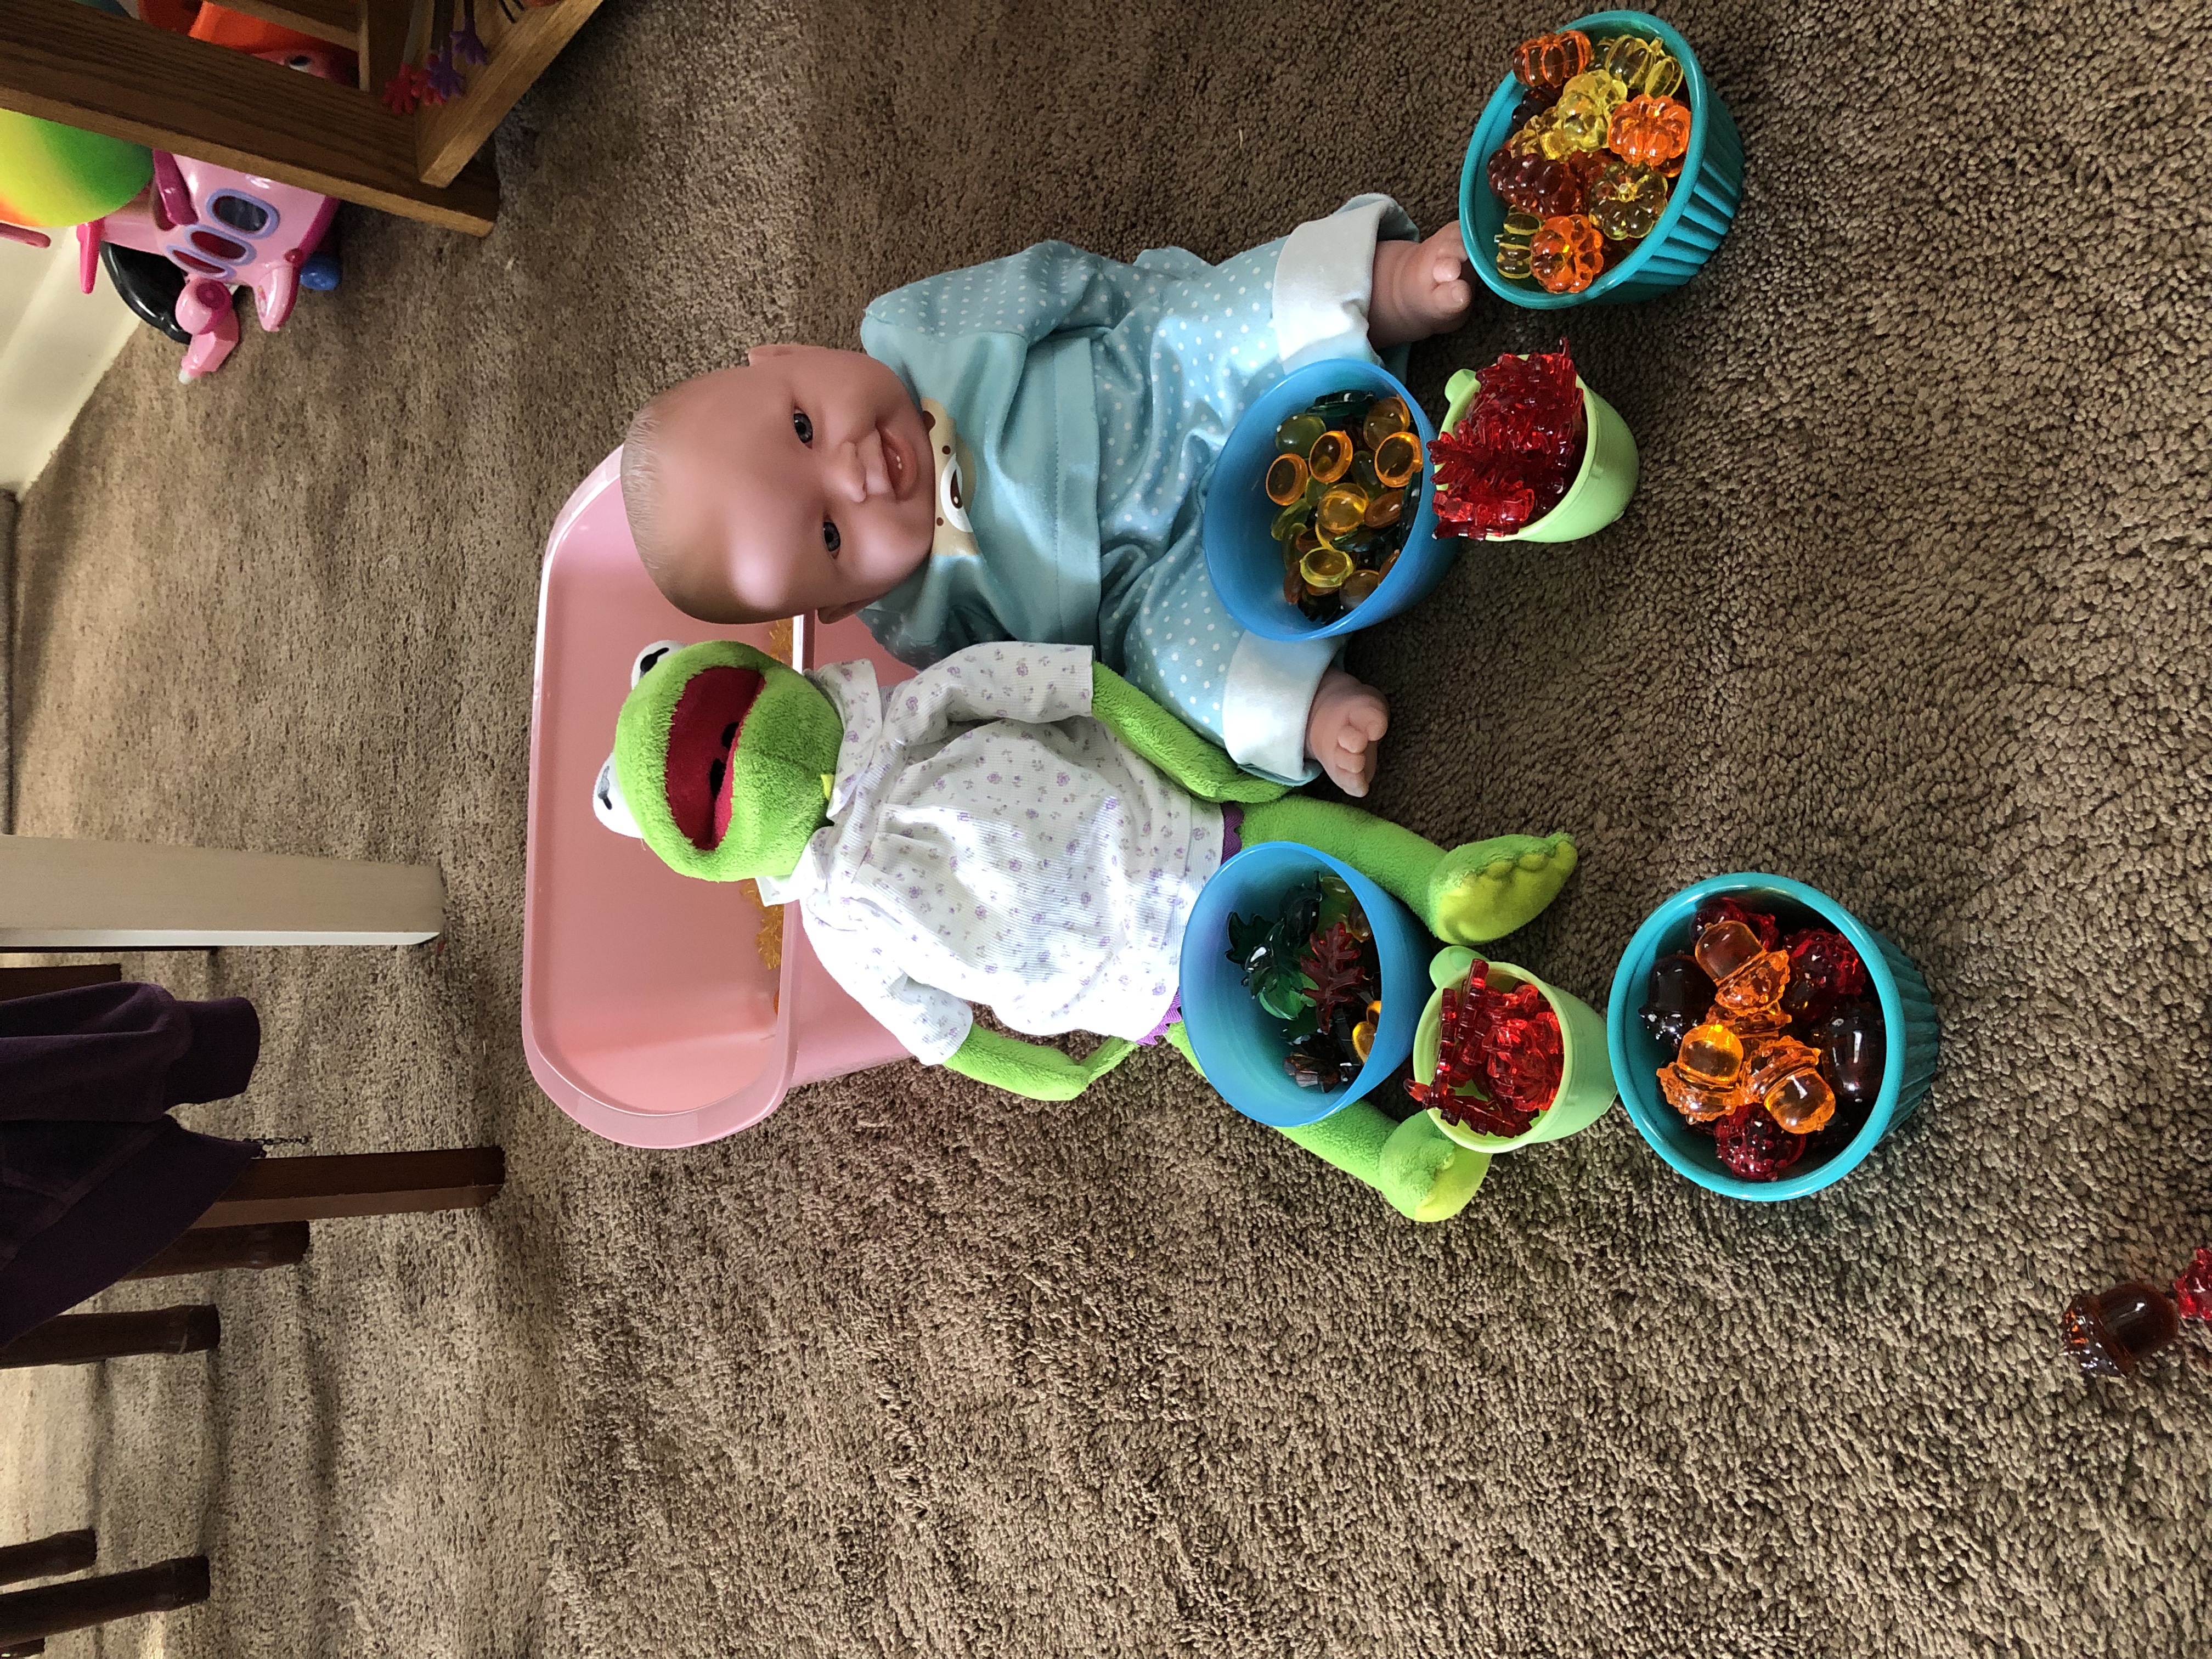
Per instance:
x=1031, y=1069
x=1189, y=760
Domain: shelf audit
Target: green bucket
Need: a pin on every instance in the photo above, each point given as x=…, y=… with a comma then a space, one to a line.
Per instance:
x=1600, y=490
x=1586, y=1086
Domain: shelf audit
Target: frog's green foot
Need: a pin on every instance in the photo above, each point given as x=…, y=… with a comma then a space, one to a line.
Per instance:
x=1426, y=1174
x=1486, y=889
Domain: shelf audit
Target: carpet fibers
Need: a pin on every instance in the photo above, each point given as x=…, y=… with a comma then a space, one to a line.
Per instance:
x=1912, y=603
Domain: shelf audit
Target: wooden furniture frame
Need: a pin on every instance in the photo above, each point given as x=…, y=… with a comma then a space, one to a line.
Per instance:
x=69, y=63
x=29, y=1617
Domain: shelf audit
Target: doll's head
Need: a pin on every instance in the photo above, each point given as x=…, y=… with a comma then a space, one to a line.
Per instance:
x=800, y=482
x=721, y=762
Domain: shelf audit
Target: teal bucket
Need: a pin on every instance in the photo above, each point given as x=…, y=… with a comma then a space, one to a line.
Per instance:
x=1239, y=1044
x=1699, y=211
x=1908, y=1017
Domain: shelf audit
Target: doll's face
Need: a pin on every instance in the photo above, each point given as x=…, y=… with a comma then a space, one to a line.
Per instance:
x=800, y=482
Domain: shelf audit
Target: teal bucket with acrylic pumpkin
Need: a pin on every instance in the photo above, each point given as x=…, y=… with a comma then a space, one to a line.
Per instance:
x=1586, y=1076
x=1700, y=205
x=1909, y=1026
x=1601, y=487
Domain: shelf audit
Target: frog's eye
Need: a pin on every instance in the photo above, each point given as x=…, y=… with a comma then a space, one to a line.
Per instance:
x=608, y=805
x=648, y=659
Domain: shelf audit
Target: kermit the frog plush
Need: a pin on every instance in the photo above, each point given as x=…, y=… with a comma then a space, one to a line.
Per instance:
x=1018, y=826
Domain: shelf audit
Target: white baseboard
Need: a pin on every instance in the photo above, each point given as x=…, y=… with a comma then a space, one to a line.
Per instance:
x=55, y=343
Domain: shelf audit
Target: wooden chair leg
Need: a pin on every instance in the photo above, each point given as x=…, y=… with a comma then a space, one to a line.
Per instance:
x=213, y=1250
x=82, y=1339
x=50, y=1558
x=32, y=1614
x=273, y=1189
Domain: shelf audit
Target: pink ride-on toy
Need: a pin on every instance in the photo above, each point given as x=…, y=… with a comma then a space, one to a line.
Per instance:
x=647, y=1014
x=223, y=230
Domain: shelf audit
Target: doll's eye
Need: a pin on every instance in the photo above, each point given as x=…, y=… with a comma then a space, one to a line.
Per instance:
x=802, y=426
x=830, y=539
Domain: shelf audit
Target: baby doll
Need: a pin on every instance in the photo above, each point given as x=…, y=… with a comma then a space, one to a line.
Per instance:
x=1016, y=826
x=1020, y=452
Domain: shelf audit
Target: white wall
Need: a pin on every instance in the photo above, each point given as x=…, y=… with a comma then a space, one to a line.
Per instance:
x=55, y=343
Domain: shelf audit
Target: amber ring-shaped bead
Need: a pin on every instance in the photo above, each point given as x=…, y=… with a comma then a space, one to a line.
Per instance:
x=1330, y=458
x=1287, y=479
x=1326, y=568
x=1342, y=511
x=1388, y=414
x=1397, y=458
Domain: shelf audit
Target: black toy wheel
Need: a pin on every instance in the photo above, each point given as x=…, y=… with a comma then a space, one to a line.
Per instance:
x=149, y=285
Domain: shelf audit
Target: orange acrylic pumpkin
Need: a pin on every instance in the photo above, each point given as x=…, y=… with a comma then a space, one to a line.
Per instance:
x=1550, y=60
x=1649, y=129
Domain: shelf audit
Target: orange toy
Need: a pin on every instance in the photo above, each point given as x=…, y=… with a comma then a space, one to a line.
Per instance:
x=1566, y=256
x=1550, y=60
x=1649, y=129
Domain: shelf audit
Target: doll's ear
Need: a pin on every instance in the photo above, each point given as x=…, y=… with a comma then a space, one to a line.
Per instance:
x=642, y=663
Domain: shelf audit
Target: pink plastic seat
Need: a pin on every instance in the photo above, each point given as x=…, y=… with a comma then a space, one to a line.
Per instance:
x=646, y=1013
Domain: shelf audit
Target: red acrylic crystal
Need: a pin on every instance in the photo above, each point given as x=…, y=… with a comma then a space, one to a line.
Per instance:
x=2192, y=1292
x=1510, y=458
x=1753, y=1146
x=1824, y=971
x=1504, y=1045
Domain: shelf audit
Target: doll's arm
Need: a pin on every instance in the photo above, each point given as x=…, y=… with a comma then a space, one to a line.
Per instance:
x=1188, y=759
x=1032, y=1069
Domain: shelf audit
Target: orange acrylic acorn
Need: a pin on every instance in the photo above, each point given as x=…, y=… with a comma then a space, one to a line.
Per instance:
x=1649, y=129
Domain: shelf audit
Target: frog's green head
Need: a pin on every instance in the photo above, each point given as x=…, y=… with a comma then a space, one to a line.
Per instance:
x=722, y=761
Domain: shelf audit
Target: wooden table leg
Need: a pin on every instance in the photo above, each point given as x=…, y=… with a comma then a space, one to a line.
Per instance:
x=28, y=1615
x=37, y=982
x=364, y=1184
x=50, y=1558
x=214, y=1249
x=58, y=894
x=82, y=1339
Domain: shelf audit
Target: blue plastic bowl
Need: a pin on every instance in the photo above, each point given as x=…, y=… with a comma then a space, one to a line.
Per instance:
x=1239, y=1044
x=1246, y=562
x=1703, y=201
x=1908, y=1017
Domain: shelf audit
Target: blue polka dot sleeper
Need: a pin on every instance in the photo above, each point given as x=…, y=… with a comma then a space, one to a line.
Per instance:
x=1083, y=403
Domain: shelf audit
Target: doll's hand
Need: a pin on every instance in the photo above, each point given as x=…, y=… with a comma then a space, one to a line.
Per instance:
x=1421, y=288
x=1346, y=722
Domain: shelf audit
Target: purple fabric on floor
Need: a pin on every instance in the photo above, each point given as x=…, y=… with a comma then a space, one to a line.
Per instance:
x=95, y=1179
x=1232, y=843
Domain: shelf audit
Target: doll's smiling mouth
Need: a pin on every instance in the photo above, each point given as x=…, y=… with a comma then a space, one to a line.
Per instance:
x=898, y=461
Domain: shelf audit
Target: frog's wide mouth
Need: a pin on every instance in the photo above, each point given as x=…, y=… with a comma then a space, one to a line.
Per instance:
x=703, y=736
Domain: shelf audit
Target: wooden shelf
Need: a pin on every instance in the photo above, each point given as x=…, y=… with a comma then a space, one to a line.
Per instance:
x=67, y=62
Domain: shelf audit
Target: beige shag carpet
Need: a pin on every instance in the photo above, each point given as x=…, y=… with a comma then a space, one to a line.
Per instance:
x=1913, y=602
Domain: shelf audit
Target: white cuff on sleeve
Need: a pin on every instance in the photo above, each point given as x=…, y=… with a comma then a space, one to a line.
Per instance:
x=1325, y=280
x=1266, y=703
